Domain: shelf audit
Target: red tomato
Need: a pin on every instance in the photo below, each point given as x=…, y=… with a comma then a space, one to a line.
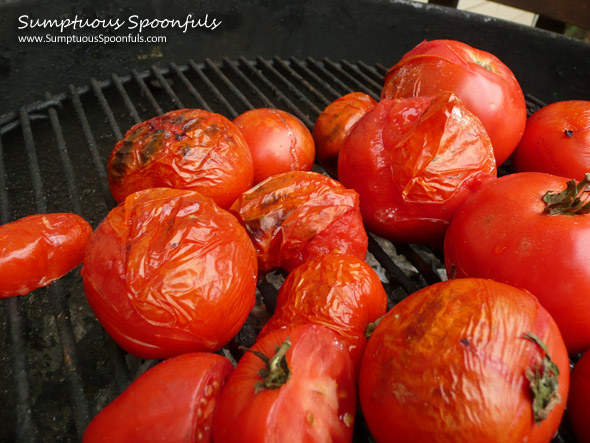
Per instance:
x=39, y=249
x=414, y=161
x=169, y=272
x=556, y=140
x=173, y=401
x=184, y=149
x=296, y=216
x=278, y=141
x=502, y=232
x=484, y=84
x=339, y=291
x=335, y=124
x=457, y=362
x=577, y=404
x=309, y=396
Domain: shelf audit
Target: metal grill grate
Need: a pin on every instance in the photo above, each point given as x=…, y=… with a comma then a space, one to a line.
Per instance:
x=61, y=367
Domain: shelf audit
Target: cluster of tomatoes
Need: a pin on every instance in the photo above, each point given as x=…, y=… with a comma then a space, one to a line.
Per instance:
x=207, y=207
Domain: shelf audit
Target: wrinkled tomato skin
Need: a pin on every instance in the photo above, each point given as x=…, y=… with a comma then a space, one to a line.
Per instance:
x=484, y=84
x=169, y=272
x=556, y=140
x=317, y=403
x=296, y=216
x=335, y=124
x=172, y=401
x=448, y=363
x=278, y=141
x=38, y=249
x=338, y=291
x=577, y=405
x=501, y=232
x=184, y=149
x=413, y=162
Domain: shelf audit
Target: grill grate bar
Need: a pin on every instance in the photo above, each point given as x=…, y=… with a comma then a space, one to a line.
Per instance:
x=128, y=103
x=304, y=82
x=381, y=68
x=33, y=161
x=314, y=76
x=361, y=74
x=358, y=84
x=166, y=86
x=202, y=102
x=230, y=85
x=419, y=263
x=146, y=92
x=248, y=82
x=106, y=108
x=332, y=77
x=211, y=86
x=372, y=71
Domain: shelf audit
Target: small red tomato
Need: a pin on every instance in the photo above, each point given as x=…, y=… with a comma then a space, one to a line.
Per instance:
x=298, y=387
x=484, y=84
x=173, y=401
x=169, y=272
x=511, y=230
x=279, y=142
x=414, y=161
x=338, y=291
x=335, y=124
x=296, y=216
x=466, y=360
x=38, y=249
x=577, y=404
x=184, y=149
x=556, y=140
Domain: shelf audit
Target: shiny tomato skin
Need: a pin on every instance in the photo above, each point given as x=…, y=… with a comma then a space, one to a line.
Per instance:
x=413, y=161
x=335, y=124
x=169, y=272
x=317, y=403
x=448, y=363
x=502, y=232
x=486, y=86
x=556, y=140
x=295, y=216
x=279, y=142
x=189, y=149
x=172, y=401
x=577, y=405
x=338, y=291
x=39, y=249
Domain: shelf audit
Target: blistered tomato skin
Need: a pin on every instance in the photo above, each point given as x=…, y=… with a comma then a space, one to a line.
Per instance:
x=38, y=249
x=338, y=291
x=296, y=216
x=279, y=142
x=169, y=272
x=577, y=406
x=172, y=401
x=413, y=162
x=450, y=363
x=184, y=149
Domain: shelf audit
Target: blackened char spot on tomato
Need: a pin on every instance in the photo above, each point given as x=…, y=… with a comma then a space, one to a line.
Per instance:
x=569, y=133
x=120, y=161
x=192, y=123
x=152, y=147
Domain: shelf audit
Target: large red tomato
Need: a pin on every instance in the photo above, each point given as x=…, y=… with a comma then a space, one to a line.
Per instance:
x=304, y=392
x=173, y=401
x=279, y=142
x=556, y=140
x=485, y=84
x=339, y=291
x=169, y=272
x=505, y=232
x=296, y=216
x=577, y=404
x=466, y=360
x=38, y=249
x=184, y=149
x=414, y=161
x=335, y=124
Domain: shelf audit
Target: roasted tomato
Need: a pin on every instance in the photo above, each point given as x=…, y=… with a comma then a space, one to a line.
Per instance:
x=169, y=272
x=556, y=140
x=173, y=401
x=295, y=385
x=279, y=142
x=39, y=249
x=296, y=216
x=184, y=149
x=414, y=161
x=577, y=405
x=467, y=360
x=334, y=125
x=339, y=291
x=528, y=230
x=484, y=84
